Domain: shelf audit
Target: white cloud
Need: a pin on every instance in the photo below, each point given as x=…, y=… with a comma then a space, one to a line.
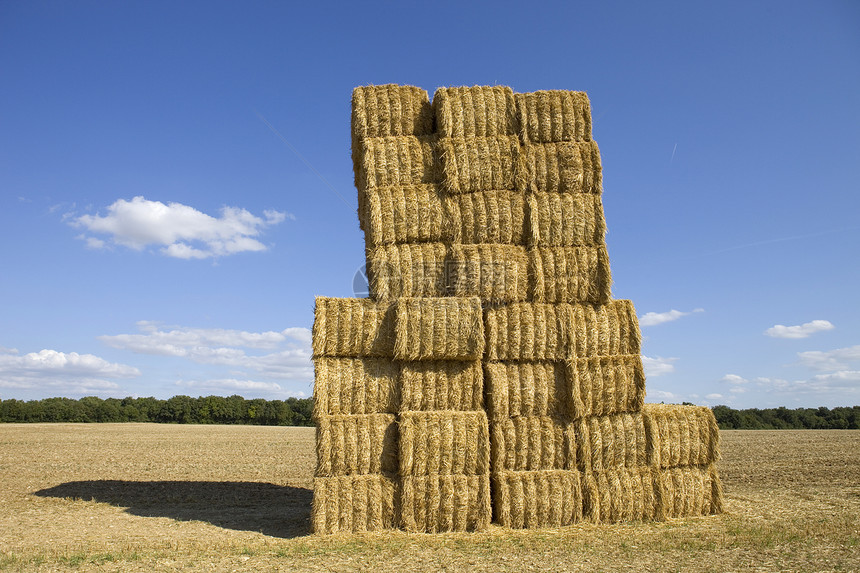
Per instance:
x=737, y=390
x=657, y=365
x=734, y=379
x=660, y=394
x=799, y=331
x=838, y=359
x=655, y=318
x=714, y=396
x=61, y=372
x=230, y=385
x=182, y=231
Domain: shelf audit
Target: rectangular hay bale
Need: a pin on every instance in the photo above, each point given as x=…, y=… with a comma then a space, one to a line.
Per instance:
x=478, y=163
x=395, y=160
x=443, y=328
x=407, y=270
x=602, y=385
x=441, y=385
x=529, y=443
x=560, y=168
x=444, y=442
x=355, y=386
x=536, y=499
x=554, y=115
x=356, y=444
x=494, y=273
x=604, y=329
x=623, y=494
x=483, y=111
x=352, y=327
x=438, y=503
x=486, y=217
x=569, y=274
x=525, y=389
x=403, y=214
x=354, y=503
x=565, y=220
x=610, y=442
x=688, y=491
x=681, y=435
x=383, y=110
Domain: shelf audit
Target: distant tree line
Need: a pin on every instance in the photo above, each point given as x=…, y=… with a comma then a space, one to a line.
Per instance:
x=297, y=412
x=176, y=410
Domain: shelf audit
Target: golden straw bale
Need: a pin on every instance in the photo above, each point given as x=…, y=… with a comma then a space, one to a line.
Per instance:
x=569, y=274
x=554, y=115
x=534, y=499
x=441, y=385
x=604, y=329
x=354, y=503
x=356, y=444
x=622, y=494
x=404, y=214
x=528, y=331
x=395, y=160
x=602, y=385
x=565, y=220
x=410, y=269
x=495, y=273
x=444, y=328
x=525, y=389
x=690, y=491
x=681, y=435
x=444, y=442
x=379, y=111
x=483, y=111
x=478, y=163
x=528, y=443
x=607, y=442
x=355, y=386
x=485, y=217
x=437, y=503
x=560, y=168
x=352, y=327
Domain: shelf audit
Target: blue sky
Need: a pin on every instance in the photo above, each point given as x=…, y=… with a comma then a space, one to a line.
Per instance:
x=158, y=237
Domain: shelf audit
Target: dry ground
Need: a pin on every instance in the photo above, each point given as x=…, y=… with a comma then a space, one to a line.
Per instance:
x=122, y=497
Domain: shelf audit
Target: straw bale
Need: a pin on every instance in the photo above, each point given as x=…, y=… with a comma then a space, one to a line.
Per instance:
x=486, y=217
x=608, y=442
x=533, y=499
x=403, y=214
x=690, y=490
x=565, y=220
x=525, y=389
x=410, y=269
x=356, y=444
x=560, y=168
x=354, y=503
x=437, y=503
x=444, y=442
x=603, y=329
x=602, y=385
x=355, y=386
x=478, y=163
x=441, y=385
x=444, y=328
x=352, y=327
x=554, y=115
x=528, y=443
x=569, y=274
x=483, y=111
x=622, y=494
x=495, y=273
x=395, y=160
x=681, y=435
x=379, y=111
x=527, y=331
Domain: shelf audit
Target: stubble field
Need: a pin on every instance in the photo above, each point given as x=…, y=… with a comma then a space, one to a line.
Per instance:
x=127, y=497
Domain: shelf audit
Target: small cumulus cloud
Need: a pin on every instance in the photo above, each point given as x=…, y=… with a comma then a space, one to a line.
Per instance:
x=660, y=394
x=61, y=372
x=838, y=359
x=713, y=396
x=655, y=318
x=181, y=231
x=230, y=385
x=799, y=331
x=734, y=379
x=655, y=366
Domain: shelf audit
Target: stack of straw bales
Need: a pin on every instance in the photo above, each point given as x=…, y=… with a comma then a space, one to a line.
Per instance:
x=490, y=375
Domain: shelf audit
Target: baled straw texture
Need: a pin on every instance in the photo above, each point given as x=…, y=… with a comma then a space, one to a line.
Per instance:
x=494, y=273
x=438, y=503
x=379, y=111
x=604, y=329
x=441, y=385
x=610, y=442
x=352, y=327
x=681, y=435
x=356, y=444
x=602, y=385
x=554, y=115
x=623, y=494
x=565, y=220
x=444, y=442
x=478, y=163
x=354, y=503
x=396, y=160
x=486, y=217
x=404, y=214
x=525, y=389
x=355, y=386
x=483, y=111
x=544, y=498
x=560, y=168
x=528, y=443
x=569, y=274
x=691, y=491
x=444, y=328
x=410, y=269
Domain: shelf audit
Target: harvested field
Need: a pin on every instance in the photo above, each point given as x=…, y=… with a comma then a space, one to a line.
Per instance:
x=129, y=497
